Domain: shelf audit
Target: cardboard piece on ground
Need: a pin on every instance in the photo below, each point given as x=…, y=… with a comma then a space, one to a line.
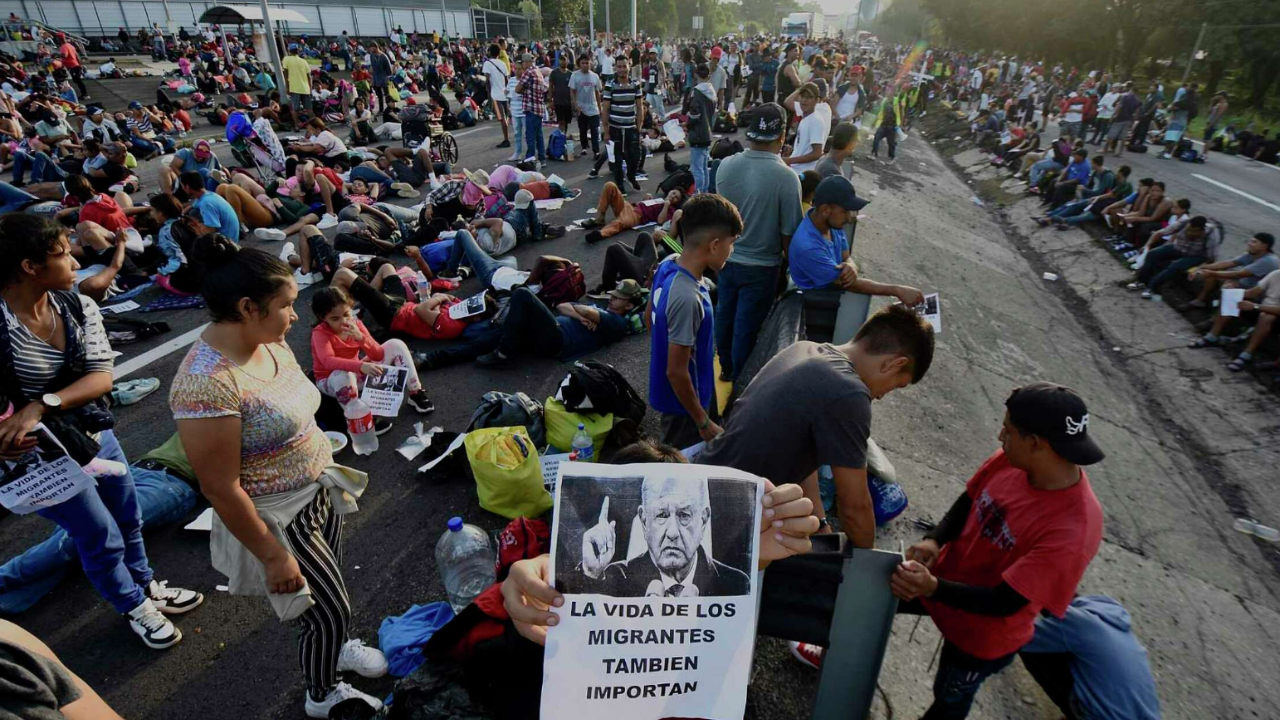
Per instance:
x=202, y=523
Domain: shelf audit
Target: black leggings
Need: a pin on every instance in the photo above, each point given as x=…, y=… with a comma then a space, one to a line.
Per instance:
x=624, y=263
x=381, y=306
x=77, y=75
x=589, y=124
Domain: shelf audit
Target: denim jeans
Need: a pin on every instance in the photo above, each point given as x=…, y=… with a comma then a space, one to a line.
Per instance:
x=534, y=139
x=589, y=126
x=105, y=523
x=1163, y=264
x=43, y=168
x=1039, y=169
x=526, y=223
x=890, y=135
x=517, y=137
x=744, y=296
x=30, y=576
x=369, y=175
x=13, y=199
x=698, y=157
x=960, y=676
x=465, y=246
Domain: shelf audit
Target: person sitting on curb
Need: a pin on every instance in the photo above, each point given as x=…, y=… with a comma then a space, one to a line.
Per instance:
x=1089, y=663
x=628, y=215
x=572, y=331
x=1244, y=271
x=1264, y=298
x=819, y=255
x=1191, y=241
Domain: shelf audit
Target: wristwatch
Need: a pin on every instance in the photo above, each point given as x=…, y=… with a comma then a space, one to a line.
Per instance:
x=51, y=401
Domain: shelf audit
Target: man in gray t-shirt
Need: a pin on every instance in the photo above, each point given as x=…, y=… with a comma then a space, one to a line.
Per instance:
x=767, y=194
x=811, y=405
x=584, y=91
x=1244, y=271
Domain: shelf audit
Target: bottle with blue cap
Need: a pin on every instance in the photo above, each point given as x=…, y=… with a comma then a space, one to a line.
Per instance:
x=583, y=445
x=465, y=560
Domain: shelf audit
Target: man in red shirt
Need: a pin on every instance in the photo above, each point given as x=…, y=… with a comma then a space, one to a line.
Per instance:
x=71, y=61
x=1014, y=544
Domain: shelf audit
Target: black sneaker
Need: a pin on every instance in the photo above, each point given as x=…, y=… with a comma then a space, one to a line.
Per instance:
x=635, y=184
x=552, y=232
x=381, y=425
x=422, y=360
x=420, y=402
x=594, y=174
x=594, y=237
x=494, y=360
x=504, y=144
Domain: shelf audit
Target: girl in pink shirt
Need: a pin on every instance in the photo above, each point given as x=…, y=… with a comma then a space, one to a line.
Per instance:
x=344, y=353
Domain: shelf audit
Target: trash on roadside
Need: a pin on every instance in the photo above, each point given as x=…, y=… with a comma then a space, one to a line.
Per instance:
x=1249, y=526
x=978, y=201
x=420, y=440
x=1050, y=276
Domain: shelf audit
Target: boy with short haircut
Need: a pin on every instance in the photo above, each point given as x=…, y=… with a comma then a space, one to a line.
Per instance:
x=682, y=351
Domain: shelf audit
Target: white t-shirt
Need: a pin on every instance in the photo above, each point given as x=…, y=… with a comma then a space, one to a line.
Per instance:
x=848, y=103
x=606, y=63
x=330, y=143
x=813, y=130
x=1074, y=113
x=517, y=100
x=497, y=74
x=1107, y=107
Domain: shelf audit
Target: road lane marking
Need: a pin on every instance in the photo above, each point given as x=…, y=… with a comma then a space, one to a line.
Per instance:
x=1241, y=193
x=133, y=365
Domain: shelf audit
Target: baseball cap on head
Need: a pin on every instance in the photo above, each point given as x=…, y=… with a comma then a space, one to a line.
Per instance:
x=628, y=290
x=767, y=123
x=837, y=190
x=522, y=199
x=1057, y=414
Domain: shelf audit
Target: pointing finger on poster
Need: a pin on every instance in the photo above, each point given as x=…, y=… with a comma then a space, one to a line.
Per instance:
x=597, y=544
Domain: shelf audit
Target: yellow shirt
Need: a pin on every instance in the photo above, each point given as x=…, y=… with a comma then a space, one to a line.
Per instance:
x=297, y=74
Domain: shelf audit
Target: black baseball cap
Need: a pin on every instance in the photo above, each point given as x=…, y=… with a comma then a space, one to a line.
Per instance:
x=767, y=123
x=837, y=190
x=1057, y=414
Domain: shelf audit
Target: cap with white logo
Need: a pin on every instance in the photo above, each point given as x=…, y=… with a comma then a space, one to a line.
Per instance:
x=1057, y=414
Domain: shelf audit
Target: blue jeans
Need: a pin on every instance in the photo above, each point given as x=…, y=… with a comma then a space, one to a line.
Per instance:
x=105, y=523
x=1070, y=208
x=526, y=223
x=517, y=138
x=533, y=136
x=30, y=576
x=369, y=175
x=43, y=168
x=698, y=157
x=1163, y=264
x=743, y=299
x=1039, y=169
x=13, y=199
x=464, y=246
x=889, y=135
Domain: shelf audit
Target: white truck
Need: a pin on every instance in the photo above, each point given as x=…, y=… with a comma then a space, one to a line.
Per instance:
x=804, y=25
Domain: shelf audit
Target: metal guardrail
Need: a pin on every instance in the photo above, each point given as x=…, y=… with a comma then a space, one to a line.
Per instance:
x=80, y=40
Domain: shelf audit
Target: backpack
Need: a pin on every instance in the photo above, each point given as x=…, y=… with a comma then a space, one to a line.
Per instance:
x=556, y=149
x=567, y=284
x=596, y=387
x=681, y=179
x=724, y=147
x=724, y=123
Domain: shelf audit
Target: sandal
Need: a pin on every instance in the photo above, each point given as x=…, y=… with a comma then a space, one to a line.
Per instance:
x=1203, y=342
x=1135, y=286
x=1238, y=364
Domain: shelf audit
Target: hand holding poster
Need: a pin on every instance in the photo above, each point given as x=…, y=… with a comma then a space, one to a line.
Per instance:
x=384, y=393
x=44, y=477
x=657, y=566
x=473, y=305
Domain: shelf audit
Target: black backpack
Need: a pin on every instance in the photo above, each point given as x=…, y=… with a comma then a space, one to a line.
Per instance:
x=681, y=179
x=597, y=387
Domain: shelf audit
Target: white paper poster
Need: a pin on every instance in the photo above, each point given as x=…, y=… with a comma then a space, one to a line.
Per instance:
x=473, y=305
x=657, y=566
x=44, y=477
x=931, y=310
x=1231, y=298
x=385, y=393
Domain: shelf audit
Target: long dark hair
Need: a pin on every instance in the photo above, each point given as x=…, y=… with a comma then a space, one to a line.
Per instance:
x=27, y=237
x=232, y=273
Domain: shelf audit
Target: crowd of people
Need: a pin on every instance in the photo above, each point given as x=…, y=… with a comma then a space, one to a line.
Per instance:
x=998, y=574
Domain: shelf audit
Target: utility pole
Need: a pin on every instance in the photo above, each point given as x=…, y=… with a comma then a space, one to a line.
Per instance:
x=591, y=21
x=633, y=20
x=1194, y=52
x=608, y=22
x=273, y=50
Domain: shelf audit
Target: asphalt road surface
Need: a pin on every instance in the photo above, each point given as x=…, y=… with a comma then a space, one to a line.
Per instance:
x=1165, y=555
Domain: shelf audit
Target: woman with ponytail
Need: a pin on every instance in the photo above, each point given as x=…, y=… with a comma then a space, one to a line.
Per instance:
x=246, y=416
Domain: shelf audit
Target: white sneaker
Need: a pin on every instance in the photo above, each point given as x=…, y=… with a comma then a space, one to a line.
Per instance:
x=305, y=279
x=153, y=627
x=435, y=183
x=514, y=158
x=289, y=250
x=269, y=234
x=327, y=222
x=339, y=693
x=173, y=601
x=362, y=659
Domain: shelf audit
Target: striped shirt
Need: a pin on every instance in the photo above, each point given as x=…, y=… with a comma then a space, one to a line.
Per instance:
x=142, y=128
x=37, y=363
x=622, y=104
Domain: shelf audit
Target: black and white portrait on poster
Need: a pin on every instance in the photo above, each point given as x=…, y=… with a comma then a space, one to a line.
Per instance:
x=384, y=393
x=657, y=565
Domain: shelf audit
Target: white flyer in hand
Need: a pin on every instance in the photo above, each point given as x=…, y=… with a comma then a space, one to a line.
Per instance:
x=384, y=393
x=657, y=565
x=931, y=310
x=44, y=477
x=1231, y=298
x=473, y=305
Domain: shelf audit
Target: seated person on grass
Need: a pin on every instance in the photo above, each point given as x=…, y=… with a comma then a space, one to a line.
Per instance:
x=819, y=255
x=628, y=215
x=1245, y=271
x=1264, y=298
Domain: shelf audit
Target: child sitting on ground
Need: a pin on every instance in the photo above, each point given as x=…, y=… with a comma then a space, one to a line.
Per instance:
x=344, y=352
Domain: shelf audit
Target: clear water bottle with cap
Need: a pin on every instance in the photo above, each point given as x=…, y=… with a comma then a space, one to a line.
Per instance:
x=465, y=559
x=360, y=426
x=583, y=445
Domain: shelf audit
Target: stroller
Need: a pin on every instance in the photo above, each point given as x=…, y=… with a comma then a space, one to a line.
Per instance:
x=251, y=150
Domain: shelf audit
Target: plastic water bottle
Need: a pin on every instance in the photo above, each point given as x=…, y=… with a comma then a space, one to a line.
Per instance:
x=465, y=560
x=360, y=427
x=583, y=445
